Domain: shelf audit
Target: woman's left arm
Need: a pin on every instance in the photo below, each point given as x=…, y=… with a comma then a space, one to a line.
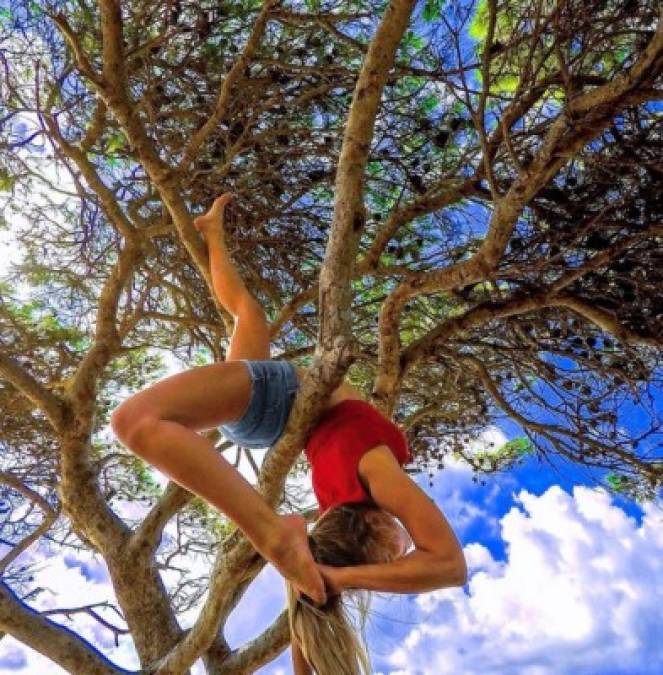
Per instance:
x=416, y=572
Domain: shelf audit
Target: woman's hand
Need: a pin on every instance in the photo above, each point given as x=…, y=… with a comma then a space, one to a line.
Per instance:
x=333, y=577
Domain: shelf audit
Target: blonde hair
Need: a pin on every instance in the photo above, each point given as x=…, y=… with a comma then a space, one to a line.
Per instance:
x=347, y=534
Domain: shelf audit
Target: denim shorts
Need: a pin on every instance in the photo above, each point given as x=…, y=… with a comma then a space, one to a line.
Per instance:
x=274, y=385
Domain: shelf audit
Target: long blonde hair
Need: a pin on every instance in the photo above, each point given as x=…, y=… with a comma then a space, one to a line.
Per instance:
x=347, y=534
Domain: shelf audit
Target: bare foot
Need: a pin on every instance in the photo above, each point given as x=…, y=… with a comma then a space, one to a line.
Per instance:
x=294, y=560
x=213, y=219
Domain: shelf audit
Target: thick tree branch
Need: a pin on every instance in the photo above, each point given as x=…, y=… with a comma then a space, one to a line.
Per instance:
x=583, y=119
x=33, y=390
x=62, y=646
x=259, y=651
x=335, y=341
x=426, y=346
x=163, y=176
x=81, y=387
x=234, y=569
x=147, y=536
x=349, y=211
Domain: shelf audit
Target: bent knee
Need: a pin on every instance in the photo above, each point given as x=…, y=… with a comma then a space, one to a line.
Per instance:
x=132, y=426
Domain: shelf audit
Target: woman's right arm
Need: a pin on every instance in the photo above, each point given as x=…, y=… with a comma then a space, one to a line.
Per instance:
x=300, y=664
x=437, y=561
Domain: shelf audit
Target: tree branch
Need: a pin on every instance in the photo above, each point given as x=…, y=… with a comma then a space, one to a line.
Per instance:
x=33, y=390
x=147, y=536
x=605, y=321
x=259, y=651
x=223, y=98
x=62, y=646
x=108, y=201
x=583, y=120
x=50, y=516
x=349, y=211
x=80, y=56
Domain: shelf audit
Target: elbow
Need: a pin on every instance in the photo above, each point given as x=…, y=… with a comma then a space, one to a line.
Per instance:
x=462, y=572
x=454, y=571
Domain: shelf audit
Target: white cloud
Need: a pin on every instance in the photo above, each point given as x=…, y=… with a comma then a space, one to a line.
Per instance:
x=577, y=593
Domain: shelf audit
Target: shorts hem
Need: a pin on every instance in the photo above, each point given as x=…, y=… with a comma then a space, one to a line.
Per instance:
x=264, y=405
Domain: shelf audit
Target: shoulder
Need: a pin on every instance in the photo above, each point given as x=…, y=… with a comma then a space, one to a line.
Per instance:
x=377, y=462
x=385, y=481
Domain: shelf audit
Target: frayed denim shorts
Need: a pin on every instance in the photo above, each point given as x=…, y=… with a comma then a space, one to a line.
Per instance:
x=274, y=385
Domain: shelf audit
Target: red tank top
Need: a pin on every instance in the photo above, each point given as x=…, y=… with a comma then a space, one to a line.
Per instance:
x=342, y=435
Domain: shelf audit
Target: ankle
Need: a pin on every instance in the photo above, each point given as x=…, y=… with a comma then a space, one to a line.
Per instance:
x=270, y=542
x=214, y=235
x=276, y=544
x=281, y=538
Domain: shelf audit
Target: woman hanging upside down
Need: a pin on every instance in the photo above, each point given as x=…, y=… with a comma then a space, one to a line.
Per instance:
x=356, y=455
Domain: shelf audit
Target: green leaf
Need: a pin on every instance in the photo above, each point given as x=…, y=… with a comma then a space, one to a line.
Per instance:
x=616, y=481
x=621, y=55
x=375, y=168
x=412, y=40
x=479, y=25
x=518, y=446
x=115, y=142
x=145, y=477
x=201, y=358
x=7, y=181
x=429, y=103
x=506, y=84
x=432, y=10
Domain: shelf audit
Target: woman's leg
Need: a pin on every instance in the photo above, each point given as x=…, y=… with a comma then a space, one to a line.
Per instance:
x=160, y=423
x=250, y=338
x=228, y=284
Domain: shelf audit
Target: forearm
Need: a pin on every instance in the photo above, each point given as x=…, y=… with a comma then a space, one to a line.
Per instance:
x=416, y=572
